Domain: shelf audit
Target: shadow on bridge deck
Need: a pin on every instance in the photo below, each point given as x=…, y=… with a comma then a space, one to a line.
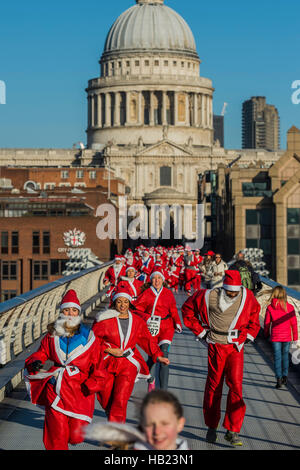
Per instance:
x=272, y=420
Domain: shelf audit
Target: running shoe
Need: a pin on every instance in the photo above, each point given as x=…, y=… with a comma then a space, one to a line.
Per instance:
x=211, y=435
x=233, y=438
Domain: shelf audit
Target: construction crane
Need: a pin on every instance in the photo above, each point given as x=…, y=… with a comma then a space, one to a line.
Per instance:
x=224, y=109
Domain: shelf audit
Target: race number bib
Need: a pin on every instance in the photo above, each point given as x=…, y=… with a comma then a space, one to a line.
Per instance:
x=154, y=325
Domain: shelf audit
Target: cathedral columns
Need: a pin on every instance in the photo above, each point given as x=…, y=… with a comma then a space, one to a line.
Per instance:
x=175, y=108
x=127, y=108
x=134, y=108
x=151, y=108
x=107, y=110
x=140, y=110
x=164, y=108
x=92, y=111
x=207, y=111
x=196, y=122
x=187, y=109
x=99, y=107
x=117, y=113
x=202, y=111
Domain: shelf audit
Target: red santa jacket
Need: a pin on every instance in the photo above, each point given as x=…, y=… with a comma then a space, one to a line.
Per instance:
x=132, y=262
x=108, y=329
x=146, y=268
x=161, y=303
x=82, y=366
x=175, y=265
x=111, y=275
x=192, y=264
x=134, y=286
x=245, y=325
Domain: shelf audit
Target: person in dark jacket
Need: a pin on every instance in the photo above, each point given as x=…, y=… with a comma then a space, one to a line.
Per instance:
x=250, y=278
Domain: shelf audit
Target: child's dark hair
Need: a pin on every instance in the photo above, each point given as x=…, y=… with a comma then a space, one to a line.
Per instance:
x=161, y=396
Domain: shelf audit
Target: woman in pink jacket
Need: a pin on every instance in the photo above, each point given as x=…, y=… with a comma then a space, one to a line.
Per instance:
x=281, y=319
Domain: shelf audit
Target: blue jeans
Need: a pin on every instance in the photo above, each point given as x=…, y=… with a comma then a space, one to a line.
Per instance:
x=281, y=358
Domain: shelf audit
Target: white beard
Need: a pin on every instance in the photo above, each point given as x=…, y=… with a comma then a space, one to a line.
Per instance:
x=64, y=321
x=225, y=301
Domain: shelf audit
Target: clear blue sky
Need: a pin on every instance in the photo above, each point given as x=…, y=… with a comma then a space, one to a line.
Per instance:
x=49, y=51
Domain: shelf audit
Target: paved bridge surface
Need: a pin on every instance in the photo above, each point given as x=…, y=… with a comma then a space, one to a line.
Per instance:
x=272, y=418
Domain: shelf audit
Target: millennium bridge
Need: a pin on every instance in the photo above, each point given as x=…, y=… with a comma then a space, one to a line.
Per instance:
x=272, y=420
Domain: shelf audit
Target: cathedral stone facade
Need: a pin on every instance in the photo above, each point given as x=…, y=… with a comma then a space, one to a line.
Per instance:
x=150, y=112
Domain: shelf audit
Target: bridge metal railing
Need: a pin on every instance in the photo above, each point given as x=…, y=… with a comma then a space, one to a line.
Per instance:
x=24, y=319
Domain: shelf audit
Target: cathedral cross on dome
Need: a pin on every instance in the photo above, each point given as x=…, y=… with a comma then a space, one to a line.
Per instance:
x=160, y=2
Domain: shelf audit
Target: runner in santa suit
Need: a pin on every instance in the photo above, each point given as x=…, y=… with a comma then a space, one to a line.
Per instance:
x=225, y=318
x=180, y=261
x=197, y=281
x=157, y=306
x=131, y=283
x=160, y=266
x=120, y=331
x=191, y=270
x=113, y=274
x=67, y=389
x=130, y=260
x=174, y=271
x=146, y=266
x=164, y=255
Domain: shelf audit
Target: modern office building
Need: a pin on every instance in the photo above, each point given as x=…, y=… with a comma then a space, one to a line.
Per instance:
x=260, y=125
x=219, y=129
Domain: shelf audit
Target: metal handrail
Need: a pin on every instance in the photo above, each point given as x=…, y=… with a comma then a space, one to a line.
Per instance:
x=25, y=318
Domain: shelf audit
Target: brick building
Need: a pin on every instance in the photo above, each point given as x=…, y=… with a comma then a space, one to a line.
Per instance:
x=37, y=206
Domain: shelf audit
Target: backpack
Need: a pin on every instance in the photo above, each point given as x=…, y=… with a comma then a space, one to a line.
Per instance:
x=246, y=277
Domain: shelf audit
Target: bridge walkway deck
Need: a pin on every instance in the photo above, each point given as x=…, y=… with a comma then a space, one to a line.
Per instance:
x=272, y=420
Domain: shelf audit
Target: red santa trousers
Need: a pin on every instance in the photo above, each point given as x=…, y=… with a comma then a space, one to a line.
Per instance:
x=197, y=282
x=118, y=389
x=224, y=362
x=61, y=430
x=190, y=278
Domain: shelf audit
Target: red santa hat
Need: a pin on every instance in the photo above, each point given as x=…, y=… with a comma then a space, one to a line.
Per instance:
x=130, y=267
x=122, y=291
x=69, y=300
x=157, y=270
x=232, y=280
x=210, y=253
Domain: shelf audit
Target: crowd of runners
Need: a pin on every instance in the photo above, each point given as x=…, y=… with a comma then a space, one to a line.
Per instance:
x=104, y=362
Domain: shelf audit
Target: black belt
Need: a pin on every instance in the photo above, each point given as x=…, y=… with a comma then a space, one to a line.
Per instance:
x=223, y=333
x=59, y=365
x=163, y=318
x=128, y=353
